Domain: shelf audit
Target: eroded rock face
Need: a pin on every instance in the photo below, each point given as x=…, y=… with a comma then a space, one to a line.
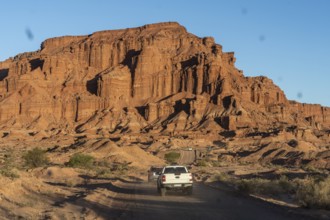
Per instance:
x=157, y=76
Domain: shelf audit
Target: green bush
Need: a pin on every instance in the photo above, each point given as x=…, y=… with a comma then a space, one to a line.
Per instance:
x=8, y=168
x=35, y=158
x=81, y=160
x=172, y=157
x=202, y=163
x=8, y=172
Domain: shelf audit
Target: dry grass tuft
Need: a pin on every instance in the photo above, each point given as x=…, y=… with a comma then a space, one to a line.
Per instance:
x=314, y=193
x=310, y=192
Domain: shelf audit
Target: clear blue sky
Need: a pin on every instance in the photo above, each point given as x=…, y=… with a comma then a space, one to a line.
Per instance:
x=285, y=40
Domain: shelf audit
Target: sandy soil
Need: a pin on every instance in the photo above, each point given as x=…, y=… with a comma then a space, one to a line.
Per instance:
x=60, y=192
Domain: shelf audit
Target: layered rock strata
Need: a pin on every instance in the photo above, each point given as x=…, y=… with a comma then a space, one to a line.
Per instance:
x=154, y=77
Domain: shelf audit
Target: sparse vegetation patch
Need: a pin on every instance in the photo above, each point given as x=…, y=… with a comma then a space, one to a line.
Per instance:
x=35, y=158
x=8, y=166
x=314, y=193
x=81, y=161
x=202, y=163
x=310, y=192
x=172, y=157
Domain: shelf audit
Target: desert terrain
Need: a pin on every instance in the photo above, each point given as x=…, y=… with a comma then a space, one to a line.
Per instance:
x=83, y=119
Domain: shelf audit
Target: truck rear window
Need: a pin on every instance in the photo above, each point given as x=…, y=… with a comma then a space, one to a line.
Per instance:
x=176, y=170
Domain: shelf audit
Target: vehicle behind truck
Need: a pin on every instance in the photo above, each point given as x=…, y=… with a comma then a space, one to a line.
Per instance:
x=153, y=173
x=175, y=178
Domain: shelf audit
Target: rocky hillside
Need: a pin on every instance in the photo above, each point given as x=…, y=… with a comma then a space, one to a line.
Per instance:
x=157, y=78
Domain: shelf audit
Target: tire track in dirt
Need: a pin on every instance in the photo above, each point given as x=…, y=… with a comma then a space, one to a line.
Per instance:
x=205, y=203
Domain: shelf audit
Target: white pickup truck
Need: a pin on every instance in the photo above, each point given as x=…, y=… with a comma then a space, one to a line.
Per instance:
x=175, y=178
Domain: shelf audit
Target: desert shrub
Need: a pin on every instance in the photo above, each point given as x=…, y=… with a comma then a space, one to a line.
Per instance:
x=311, y=192
x=310, y=168
x=120, y=168
x=314, y=193
x=103, y=173
x=35, y=158
x=172, y=157
x=243, y=186
x=110, y=170
x=81, y=161
x=286, y=185
x=223, y=177
x=260, y=186
x=8, y=166
x=219, y=163
x=103, y=163
x=202, y=163
x=9, y=172
x=265, y=186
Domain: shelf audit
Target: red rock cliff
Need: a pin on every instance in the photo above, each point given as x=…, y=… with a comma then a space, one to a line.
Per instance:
x=157, y=76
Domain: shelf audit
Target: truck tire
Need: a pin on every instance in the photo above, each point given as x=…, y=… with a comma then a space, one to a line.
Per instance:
x=162, y=191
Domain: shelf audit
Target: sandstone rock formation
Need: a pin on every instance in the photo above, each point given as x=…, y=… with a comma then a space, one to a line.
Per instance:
x=154, y=78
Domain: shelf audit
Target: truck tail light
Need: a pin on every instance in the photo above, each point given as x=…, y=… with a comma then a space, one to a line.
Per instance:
x=190, y=177
x=163, y=178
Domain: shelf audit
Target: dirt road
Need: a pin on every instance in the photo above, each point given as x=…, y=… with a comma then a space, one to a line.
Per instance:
x=187, y=157
x=107, y=198
x=141, y=201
